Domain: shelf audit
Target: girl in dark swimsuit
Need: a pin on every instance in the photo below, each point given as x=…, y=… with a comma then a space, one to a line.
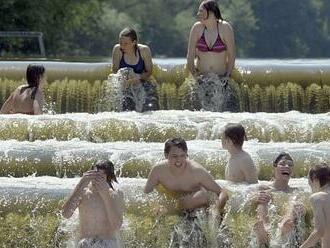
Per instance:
x=129, y=54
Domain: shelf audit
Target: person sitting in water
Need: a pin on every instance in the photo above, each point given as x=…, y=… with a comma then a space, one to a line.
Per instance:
x=27, y=99
x=211, y=58
x=283, y=169
x=130, y=54
x=240, y=167
x=319, y=181
x=185, y=178
x=100, y=206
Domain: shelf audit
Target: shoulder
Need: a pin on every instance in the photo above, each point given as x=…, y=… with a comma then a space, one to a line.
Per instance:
x=246, y=159
x=197, y=27
x=117, y=193
x=196, y=167
x=144, y=49
x=116, y=49
x=226, y=26
x=317, y=198
x=161, y=166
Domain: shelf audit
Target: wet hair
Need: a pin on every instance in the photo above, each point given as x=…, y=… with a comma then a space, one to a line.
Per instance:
x=236, y=133
x=175, y=142
x=321, y=172
x=33, y=74
x=109, y=169
x=212, y=6
x=131, y=33
x=280, y=156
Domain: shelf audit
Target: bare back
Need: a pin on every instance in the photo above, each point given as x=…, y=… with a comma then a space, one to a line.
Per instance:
x=321, y=210
x=20, y=101
x=241, y=168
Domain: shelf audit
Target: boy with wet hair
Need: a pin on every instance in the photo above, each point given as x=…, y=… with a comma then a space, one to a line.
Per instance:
x=283, y=170
x=100, y=206
x=240, y=167
x=319, y=181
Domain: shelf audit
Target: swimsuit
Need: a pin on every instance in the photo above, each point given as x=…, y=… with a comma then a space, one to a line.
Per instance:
x=218, y=46
x=138, y=68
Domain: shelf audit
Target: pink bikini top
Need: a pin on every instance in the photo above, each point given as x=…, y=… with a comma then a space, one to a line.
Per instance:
x=218, y=46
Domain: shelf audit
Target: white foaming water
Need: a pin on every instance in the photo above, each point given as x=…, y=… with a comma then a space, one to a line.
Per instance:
x=291, y=126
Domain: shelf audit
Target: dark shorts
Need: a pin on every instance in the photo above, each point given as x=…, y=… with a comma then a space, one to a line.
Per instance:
x=141, y=97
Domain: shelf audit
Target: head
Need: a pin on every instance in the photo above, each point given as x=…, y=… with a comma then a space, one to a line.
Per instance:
x=283, y=166
x=176, y=151
x=35, y=77
x=233, y=135
x=319, y=176
x=107, y=168
x=128, y=40
x=207, y=9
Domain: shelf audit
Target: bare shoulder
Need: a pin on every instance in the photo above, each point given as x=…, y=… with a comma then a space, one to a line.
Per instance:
x=197, y=27
x=144, y=49
x=116, y=49
x=196, y=167
x=160, y=166
x=226, y=26
x=318, y=197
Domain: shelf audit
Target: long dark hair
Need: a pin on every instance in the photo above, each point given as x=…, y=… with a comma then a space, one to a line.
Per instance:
x=34, y=73
x=211, y=5
x=131, y=33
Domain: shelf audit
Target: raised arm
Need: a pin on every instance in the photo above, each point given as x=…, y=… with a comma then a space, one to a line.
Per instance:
x=191, y=53
x=75, y=198
x=153, y=180
x=147, y=58
x=116, y=55
x=319, y=222
x=229, y=40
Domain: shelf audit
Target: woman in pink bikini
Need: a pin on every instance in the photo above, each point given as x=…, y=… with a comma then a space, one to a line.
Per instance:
x=211, y=51
x=211, y=42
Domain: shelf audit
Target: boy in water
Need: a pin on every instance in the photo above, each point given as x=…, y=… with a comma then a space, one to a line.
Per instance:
x=182, y=176
x=240, y=167
x=283, y=170
x=319, y=180
x=100, y=207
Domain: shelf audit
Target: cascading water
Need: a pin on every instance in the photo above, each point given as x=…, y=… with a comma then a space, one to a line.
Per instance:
x=42, y=156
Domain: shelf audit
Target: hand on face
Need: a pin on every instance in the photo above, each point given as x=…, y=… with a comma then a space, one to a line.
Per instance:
x=88, y=176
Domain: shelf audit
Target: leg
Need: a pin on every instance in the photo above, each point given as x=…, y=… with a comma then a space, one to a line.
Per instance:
x=151, y=99
x=195, y=200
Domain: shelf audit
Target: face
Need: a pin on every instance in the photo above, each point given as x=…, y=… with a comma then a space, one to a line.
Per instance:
x=176, y=157
x=284, y=169
x=100, y=172
x=225, y=141
x=201, y=13
x=126, y=44
x=43, y=79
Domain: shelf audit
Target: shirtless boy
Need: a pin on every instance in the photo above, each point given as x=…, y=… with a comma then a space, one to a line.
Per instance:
x=240, y=167
x=180, y=175
x=100, y=207
x=283, y=169
x=319, y=180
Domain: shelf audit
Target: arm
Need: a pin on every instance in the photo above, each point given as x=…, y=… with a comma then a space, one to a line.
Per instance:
x=8, y=105
x=191, y=53
x=230, y=43
x=75, y=198
x=38, y=103
x=113, y=202
x=319, y=219
x=116, y=55
x=208, y=182
x=147, y=58
x=152, y=181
